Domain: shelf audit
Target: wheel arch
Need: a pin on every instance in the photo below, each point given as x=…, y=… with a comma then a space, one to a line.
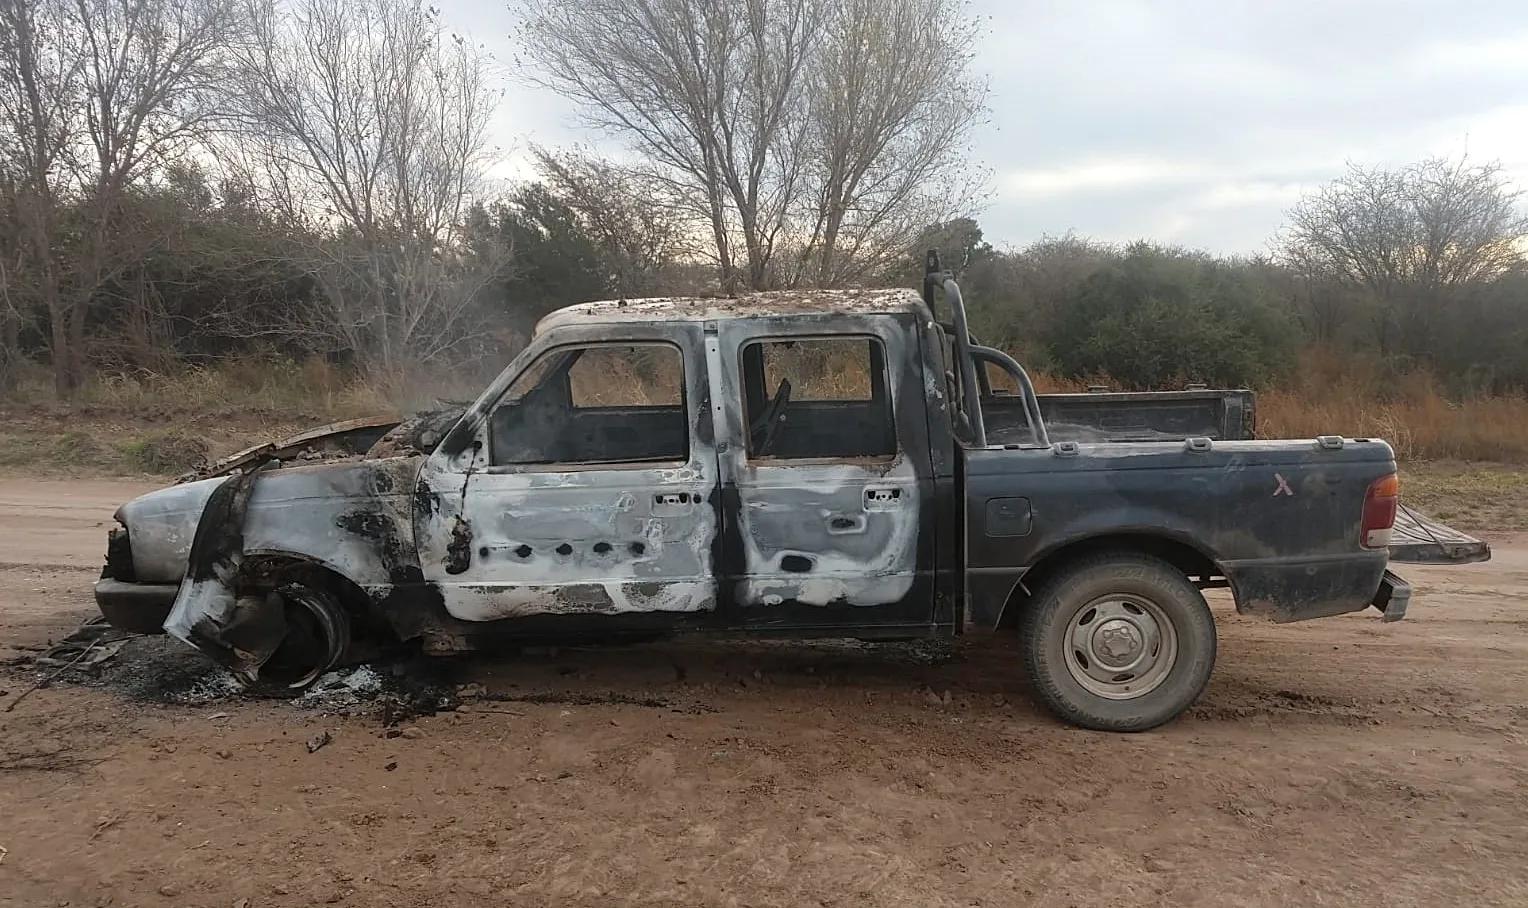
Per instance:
x=1189, y=559
x=262, y=566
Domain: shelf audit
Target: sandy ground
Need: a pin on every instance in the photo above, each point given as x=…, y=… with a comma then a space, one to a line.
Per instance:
x=1341, y=762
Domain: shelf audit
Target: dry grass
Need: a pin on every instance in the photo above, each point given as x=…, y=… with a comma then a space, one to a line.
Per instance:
x=238, y=383
x=90, y=451
x=1493, y=429
x=126, y=420
x=133, y=422
x=1335, y=395
x=1479, y=498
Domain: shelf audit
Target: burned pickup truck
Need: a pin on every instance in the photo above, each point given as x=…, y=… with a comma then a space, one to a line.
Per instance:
x=796, y=464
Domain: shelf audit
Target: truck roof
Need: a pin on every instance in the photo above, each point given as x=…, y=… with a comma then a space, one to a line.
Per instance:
x=752, y=305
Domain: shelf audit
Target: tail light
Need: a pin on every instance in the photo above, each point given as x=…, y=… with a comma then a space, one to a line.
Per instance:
x=1380, y=503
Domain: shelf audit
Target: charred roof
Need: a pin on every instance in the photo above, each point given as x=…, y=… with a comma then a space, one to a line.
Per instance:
x=752, y=305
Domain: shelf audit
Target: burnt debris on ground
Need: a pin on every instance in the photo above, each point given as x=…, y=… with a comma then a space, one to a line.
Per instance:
x=406, y=684
x=162, y=670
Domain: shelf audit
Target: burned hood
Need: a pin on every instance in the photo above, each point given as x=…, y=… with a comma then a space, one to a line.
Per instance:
x=161, y=524
x=353, y=519
x=369, y=438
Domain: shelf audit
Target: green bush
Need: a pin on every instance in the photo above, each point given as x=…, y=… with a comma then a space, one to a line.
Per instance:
x=1157, y=318
x=166, y=453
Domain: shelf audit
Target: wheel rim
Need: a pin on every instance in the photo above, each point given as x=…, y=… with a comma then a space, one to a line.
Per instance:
x=1120, y=647
x=317, y=635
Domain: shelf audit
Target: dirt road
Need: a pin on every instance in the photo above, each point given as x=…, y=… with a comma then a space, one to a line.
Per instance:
x=1340, y=762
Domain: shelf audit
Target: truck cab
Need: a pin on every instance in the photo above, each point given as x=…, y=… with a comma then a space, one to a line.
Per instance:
x=760, y=463
x=798, y=464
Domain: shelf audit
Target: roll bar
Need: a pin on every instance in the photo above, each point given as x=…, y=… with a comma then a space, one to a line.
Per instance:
x=968, y=354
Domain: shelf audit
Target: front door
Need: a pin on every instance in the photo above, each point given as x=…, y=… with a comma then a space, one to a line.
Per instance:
x=825, y=512
x=587, y=488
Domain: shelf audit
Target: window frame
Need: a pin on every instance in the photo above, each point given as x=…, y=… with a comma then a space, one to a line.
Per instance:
x=563, y=377
x=879, y=381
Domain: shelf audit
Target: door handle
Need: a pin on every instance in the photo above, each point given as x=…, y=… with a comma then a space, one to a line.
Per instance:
x=843, y=524
x=670, y=503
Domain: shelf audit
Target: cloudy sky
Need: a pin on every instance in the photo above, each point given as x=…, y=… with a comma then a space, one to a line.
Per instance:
x=1192, y=121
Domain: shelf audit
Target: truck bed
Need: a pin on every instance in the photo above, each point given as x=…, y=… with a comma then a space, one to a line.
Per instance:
x=1124, y=416
x=1222, y=415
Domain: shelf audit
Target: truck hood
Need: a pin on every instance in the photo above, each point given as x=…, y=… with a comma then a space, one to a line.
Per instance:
x=161, y=524
x=371, y=437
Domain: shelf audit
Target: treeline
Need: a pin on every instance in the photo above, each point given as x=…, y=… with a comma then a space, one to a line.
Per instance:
x=1410, y=295
x=187, y=180
x=183, y=179
x=1417, y=270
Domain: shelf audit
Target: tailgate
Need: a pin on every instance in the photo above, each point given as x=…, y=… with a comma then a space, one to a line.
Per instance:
x=1419, y=539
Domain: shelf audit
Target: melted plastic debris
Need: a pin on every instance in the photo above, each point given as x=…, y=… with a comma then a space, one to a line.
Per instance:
x=215, y=686
x=343, y=690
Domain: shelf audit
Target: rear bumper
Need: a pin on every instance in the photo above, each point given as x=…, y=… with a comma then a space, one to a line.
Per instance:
x=138, y=608
x=1392, y=597
x=1299, y=589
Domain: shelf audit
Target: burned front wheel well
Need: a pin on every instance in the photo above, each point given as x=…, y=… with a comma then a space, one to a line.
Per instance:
x=1193, y=563
x=267, y=572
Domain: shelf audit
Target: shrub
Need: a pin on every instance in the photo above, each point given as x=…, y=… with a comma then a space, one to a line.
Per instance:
x=166, y=453
x=1157, y=318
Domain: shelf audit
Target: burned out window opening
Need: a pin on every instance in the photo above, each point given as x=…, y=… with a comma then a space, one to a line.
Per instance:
x=596, y=404
x=811, y=398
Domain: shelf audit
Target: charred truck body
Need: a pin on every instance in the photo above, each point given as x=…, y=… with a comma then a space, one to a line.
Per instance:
x=807, y=464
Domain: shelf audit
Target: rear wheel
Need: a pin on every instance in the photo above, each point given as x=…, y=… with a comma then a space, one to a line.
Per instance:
x=1119, y=642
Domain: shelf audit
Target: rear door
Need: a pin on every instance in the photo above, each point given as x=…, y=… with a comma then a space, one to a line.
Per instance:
x=828, y=487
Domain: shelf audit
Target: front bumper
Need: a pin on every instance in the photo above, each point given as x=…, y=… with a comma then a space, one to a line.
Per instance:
x=1392, y=597
x=138, y=608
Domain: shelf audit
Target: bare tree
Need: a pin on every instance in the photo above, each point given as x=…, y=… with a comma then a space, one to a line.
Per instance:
x=892, y=106
x=1414, y=240
x=13, y=312
x=365, y=121
x=40, y=93
x=95, y=97
x=708, y=90
x=789, y=125
x=627, y=213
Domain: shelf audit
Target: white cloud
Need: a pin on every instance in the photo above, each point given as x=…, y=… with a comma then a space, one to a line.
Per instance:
x=1497, y=55
x=1093, y=175
x=1241, y=195
x=1193, y=121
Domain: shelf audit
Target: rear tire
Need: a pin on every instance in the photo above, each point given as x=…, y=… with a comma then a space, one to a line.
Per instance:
x=1119, y=642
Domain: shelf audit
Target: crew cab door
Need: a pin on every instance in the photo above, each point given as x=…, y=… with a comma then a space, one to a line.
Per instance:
x=828, y=487
x=585, y=486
